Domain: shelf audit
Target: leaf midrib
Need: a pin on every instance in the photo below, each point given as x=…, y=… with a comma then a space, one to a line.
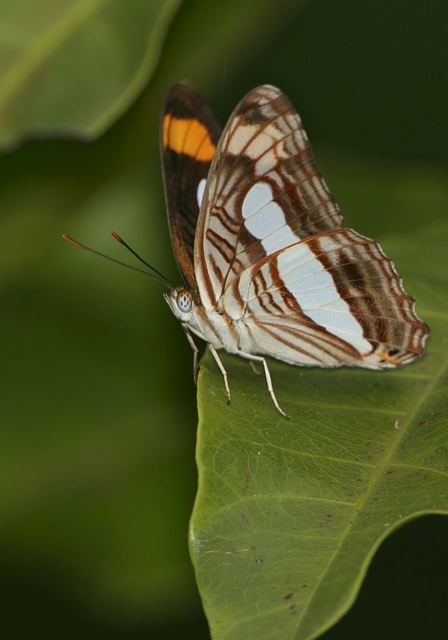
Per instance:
x=378, y=473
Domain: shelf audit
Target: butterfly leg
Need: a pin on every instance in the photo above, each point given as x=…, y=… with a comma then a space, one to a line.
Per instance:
x=192, y=344
x=221, y=368
x=253, y=358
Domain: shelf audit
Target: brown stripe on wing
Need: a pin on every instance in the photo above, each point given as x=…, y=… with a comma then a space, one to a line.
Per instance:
x=320, y=338
x=216, y=270
x=261, y=293
x=275, y=332
x=220, y=243
x=290, y=303
x=224, y=219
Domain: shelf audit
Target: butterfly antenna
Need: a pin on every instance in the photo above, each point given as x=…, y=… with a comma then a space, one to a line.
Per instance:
x=152, y=274
x=119, y=239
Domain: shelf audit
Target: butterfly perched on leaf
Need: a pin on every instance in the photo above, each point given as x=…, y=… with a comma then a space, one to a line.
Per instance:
x=269, y=268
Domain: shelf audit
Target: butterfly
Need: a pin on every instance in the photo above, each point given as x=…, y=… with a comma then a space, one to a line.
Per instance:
x=268, y=267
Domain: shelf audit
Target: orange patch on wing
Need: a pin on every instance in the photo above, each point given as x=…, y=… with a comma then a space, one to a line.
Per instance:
x=388, y=358
x=189, y=136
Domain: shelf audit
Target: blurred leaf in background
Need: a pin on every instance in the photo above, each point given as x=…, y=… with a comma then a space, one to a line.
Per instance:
x=98, y=405
x=75, y=66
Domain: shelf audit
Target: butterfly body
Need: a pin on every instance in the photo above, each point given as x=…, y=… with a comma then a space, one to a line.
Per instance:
x=270, y=270
x=212, y=326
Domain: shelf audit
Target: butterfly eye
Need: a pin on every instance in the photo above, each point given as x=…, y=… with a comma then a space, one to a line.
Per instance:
x=184, y=301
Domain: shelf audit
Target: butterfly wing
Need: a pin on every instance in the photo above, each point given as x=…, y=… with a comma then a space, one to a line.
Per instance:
x=264, y=192
x=189, y=136
x=332, y=299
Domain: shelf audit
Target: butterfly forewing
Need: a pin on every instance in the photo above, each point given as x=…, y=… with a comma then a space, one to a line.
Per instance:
x=264, y=193
x=189, y=137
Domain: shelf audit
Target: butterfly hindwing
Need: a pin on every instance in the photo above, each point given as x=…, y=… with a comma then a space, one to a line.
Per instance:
x=333, y=298
x=189, y=136
x=265, y=192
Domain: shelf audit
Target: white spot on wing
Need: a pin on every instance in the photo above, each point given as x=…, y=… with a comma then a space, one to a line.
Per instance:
x=257, y=196
x=200, y=191
x=265, y=219
x=301, y=271
x=279, y=239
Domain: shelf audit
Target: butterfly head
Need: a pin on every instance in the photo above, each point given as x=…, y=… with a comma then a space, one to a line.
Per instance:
x=181, y=303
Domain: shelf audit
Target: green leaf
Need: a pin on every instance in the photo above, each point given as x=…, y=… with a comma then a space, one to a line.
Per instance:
x=76, y=65
x=289, y=515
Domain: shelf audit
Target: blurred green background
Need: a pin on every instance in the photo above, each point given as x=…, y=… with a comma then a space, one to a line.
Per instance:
x=97, y=401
